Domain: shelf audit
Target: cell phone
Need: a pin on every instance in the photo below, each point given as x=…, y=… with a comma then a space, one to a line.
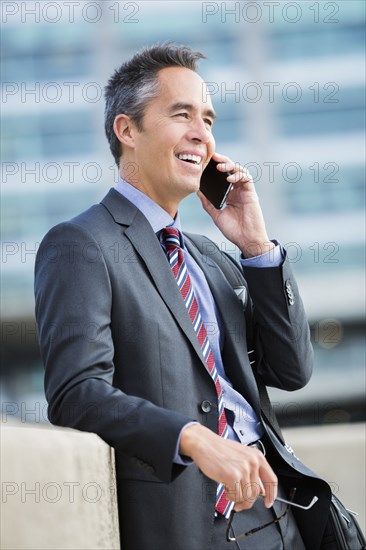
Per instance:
x=214, y=184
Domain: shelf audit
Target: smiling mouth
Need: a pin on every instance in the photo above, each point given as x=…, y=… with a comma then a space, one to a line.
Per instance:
x=192, y=159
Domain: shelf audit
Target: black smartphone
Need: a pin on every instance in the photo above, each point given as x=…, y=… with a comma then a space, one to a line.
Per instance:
x=214, y=184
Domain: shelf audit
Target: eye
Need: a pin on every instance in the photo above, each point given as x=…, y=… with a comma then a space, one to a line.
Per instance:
x=184, y=115
x=209, y=122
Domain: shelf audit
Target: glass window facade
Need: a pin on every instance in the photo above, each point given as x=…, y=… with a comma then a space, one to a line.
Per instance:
x=238, y=51
x=47, y=136
x=329, y=188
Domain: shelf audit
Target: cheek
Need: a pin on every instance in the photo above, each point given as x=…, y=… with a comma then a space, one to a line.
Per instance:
x=212, y=145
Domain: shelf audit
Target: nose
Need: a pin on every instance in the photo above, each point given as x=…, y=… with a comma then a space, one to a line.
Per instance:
x=199, y=131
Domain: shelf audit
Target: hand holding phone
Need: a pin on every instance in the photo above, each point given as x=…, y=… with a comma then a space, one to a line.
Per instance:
x=214, y=184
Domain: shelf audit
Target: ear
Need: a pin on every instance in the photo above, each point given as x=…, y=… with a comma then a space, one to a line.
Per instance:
x=124, y=128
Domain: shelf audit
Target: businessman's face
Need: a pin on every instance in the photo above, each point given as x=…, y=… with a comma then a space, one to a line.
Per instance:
x=176, y=141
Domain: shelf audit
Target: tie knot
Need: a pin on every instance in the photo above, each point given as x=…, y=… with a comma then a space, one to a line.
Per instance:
x=171, y=238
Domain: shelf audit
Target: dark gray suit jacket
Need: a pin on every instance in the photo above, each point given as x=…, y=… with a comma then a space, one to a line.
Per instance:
x=122, y=360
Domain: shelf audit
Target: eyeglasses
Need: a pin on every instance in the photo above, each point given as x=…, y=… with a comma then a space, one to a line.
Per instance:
x=231, y=537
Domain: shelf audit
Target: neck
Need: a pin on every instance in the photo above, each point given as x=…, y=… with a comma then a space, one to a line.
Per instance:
x=170, y=206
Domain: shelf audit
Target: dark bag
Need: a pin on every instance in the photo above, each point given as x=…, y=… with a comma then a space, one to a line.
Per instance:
x=342, y=531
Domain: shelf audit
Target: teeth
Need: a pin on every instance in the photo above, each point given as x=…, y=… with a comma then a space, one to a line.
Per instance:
x=193, y=158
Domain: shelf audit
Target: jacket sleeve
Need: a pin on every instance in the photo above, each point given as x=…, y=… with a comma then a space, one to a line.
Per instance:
x=73, y=296
x=285, y=354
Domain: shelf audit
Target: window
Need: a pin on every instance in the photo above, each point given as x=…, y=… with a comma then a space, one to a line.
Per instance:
x=48, y=135
x=329, y=188
x=326, y=40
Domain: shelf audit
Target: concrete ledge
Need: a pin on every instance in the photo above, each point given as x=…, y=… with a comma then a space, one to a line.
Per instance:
x=58, y=489
x=58, y=484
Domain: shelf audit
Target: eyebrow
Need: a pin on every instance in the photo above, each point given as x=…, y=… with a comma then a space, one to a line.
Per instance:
x=189, y=107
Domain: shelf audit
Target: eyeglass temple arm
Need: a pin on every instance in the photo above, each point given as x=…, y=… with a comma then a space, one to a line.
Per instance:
x=291, y=503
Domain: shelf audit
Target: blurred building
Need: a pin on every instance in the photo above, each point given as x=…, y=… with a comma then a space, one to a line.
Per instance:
x=287, y=82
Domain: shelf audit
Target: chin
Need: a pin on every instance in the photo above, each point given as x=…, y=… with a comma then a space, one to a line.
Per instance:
x=187, y=186
x=194, y=184
x=192, y=189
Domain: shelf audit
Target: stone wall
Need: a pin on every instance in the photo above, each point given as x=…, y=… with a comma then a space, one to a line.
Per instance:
x=58, y=489
x=58, y=484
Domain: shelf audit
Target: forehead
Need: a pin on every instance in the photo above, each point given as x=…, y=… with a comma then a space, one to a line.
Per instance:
x=181, y=85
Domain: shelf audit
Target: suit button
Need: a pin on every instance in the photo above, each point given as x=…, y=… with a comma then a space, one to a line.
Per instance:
x=206, y=406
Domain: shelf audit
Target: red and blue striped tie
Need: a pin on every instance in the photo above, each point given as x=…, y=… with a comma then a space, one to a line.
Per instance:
x=172, y=242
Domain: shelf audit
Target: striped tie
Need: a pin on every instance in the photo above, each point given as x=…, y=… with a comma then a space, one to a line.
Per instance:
x=171, y=239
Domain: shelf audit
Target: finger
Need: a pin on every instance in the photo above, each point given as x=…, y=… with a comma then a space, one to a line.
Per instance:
x=218, y=157
x=228, y=166
x=251, y=487
x=244, y=503
x=225, y=164
x=238, y=491
x=240, y=175
x=249, y=494
x=270, y=482
x=235, y=494
x=270, y=492
x=262, y=489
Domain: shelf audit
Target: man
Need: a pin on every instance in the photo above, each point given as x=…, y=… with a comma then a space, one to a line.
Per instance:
x=152, y=354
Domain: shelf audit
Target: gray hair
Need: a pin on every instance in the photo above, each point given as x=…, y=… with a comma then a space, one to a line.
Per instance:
x=135, y=83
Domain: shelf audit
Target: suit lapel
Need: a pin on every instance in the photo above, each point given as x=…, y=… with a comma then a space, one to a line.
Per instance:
x=147, y=246
x=150, y=250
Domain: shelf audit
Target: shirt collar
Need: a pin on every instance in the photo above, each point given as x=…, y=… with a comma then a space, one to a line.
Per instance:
x=155, y=215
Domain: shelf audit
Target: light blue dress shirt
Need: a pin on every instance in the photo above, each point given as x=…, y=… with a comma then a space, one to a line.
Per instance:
x=244, y=425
